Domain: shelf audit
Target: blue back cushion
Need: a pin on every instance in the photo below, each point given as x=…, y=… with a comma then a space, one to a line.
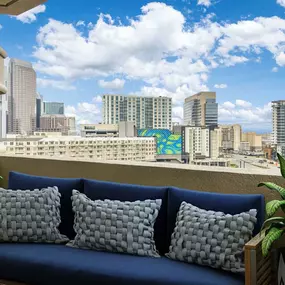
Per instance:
x=227, y=203
x=100, y=190
x=65, y=186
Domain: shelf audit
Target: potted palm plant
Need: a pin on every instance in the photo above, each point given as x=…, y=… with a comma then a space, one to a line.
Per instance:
x=274, y=226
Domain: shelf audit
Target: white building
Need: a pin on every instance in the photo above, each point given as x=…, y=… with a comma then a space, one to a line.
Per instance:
x=22, y=95
x=138, y=149
x=145, y=112
x=99, y=130
x=195, y=142
x=278, y=121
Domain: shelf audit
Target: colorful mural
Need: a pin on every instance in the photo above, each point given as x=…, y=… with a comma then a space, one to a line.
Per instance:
x=167, y=143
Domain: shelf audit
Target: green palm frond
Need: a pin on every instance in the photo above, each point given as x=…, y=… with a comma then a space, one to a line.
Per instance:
x=282, y=164
x=273, y=206
x=277, y=221
x=273, y=186
x=272, y=235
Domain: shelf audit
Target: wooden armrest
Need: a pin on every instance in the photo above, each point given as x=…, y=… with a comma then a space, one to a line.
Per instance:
x=258, y=270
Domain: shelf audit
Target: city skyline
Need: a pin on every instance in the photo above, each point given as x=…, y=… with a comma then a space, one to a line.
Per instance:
x=200, y=53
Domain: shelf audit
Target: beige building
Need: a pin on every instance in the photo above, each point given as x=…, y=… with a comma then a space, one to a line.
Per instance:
x=255, y=141
x=215, y=143
x=22, y=93
x=201, y=110
x=136, y=149
x=57, y=123
x=231, y=136
x=144, y=112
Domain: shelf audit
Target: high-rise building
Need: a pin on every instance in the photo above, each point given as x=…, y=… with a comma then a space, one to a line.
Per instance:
x=231, y=137
x=145, y=112
x=53, y=108
x=201, y=110
x=21, y=97
x=57, y=123
x=39, y=110
x=278, y=121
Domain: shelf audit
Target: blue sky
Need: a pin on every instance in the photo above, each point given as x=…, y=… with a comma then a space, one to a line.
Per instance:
x=174, y=48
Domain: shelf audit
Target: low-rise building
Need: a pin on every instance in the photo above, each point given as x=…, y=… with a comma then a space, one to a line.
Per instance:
x=212, y=162
x=139, y=149
x=122, y=129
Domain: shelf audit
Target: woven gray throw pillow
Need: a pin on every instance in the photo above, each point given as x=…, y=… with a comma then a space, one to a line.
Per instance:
x=125, y=227
x=30, y=216
x=211, y=238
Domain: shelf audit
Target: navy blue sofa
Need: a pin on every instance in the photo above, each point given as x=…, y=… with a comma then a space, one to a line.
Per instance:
x=47, y=264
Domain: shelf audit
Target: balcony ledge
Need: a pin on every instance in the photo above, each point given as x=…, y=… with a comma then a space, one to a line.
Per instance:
x=202, y=178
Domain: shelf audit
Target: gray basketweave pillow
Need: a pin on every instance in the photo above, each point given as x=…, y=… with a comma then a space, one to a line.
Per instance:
x=115, y=226
x=211, y=238
x=30, y=216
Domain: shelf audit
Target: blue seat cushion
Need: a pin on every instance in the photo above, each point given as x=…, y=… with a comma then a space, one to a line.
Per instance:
x=65, y=186
x=38, y=264
x=227, y=203
x=101, y=190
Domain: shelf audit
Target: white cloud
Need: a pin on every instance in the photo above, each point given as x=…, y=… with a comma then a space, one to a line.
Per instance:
x=206, y=3
x=253, y=36
x=221, y=86
x=31, y=15
x=274, y=69
x=177, y=114
x=248, y=117
x=170, y=55
x=80, y=23
x=281, y=2
x=1, y=27
x=228, y=105
x=280, y=59
x=114, y=84
x=85, y=112
x=97, y=99
x=243, y=104
x=135, y=50
x=57, y=84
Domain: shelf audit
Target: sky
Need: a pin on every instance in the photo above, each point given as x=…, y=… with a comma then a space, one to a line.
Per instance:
x=172, y=48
